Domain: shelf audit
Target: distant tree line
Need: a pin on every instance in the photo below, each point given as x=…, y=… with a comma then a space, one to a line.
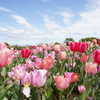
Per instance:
x=65, y=41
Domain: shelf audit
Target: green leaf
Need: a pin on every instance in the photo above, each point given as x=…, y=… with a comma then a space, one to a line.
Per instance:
x=5, y=98
x=34, y=94
x=5, y=90
x=87, y=91
x=3, y=71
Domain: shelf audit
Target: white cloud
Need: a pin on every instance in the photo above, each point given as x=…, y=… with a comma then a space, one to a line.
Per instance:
x=66, y=17
x=88, y=24
x=5, y=9
x=50, y=24
x=3, y=29
x=21, y=20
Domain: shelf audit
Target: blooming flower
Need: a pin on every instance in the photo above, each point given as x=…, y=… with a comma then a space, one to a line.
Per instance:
x=73, y=77
x=38, y=78
x=56, y=48
x=47, y=63
x=84, y=58
x=62, y=82
x=78, y=46
x=96, y=55
x=25, y=52
x=18, y=72
x=26, y=81
x=91, y=68
x=30, y=64
x=99, y=42
x=5, y=55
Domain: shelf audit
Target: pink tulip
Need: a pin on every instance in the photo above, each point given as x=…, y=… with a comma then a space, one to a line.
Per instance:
x=61, y=82
x=62, y=55
x=44, y=46
x=56, y=48
x=76, y=56
x=47, y=63
x=9, y=82
x=38, y=78
x=84, y=58
x=39, y=49
x=33, y=51
x=94, y=41
x=91, y=68
x=26, y=81
x=73, y=77
x=2, y=46
x=38, y=63
x=5, y=56
x=81, y=88
x=30, y=64
x=19, y=72
x=66, y=65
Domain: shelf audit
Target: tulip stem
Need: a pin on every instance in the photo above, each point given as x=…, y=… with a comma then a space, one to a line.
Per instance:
x=73, y=60
x=19, y=89
x=60, y=95
x=39, y=97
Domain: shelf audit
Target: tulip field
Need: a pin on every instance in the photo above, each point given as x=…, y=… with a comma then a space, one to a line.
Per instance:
x=51, y=71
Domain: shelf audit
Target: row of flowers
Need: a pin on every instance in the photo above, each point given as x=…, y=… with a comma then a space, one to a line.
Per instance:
x=51, y=71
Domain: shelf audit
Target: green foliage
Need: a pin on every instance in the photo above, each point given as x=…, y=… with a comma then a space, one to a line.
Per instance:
x=4, y=91
x=88, y=39
x=68, y=39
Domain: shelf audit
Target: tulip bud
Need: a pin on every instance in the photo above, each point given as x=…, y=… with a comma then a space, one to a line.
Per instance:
x=62, y=55
x=84, y=58
x=81, y=88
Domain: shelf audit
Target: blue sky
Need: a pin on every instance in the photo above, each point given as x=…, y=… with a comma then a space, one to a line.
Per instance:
x=30, y=22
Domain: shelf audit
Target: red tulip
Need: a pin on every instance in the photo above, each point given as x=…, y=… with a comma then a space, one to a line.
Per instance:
x=33, y=46
x=97, y=56
x=82, y=47
x=99, y=42
x=73, y=46
x=78, y=46
x=25, y=52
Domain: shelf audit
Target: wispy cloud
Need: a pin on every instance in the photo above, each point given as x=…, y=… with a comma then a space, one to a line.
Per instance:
x=21, y=20
x=3, y=29
x=66, y=16
x=89, y=21
x=5, y=9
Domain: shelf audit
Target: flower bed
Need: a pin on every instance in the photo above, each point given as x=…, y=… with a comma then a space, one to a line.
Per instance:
x=50, y=72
